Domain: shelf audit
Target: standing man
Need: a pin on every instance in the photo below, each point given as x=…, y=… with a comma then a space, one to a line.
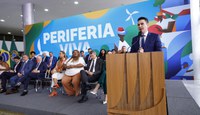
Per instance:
x=8, y=74
x=145, y=41
x=121, y=33
x=16, y=80
x=91, y=74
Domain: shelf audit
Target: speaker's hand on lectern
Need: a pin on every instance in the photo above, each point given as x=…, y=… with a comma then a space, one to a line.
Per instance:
x=141, y=50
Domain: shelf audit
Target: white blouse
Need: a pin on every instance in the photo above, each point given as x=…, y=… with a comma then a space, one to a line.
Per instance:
x=74, y=71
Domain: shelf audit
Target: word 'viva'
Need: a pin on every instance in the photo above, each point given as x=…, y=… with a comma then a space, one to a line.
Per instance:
x=81, y=33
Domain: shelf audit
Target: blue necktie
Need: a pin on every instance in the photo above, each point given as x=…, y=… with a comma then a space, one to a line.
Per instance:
x=22, y=69
x=142, y=45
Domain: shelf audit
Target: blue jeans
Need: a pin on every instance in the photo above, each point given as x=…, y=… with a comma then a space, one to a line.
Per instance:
x=15, y=79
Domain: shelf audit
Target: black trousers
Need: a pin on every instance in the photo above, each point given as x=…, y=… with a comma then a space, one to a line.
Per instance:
x=85, y=78
x=6, y=76
x=30, y=76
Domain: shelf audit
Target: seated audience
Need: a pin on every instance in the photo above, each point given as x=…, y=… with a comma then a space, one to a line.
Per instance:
x=3, y=65
x=88, y=58
x=113, y=51
x=71, y=79
x=45, y=58
x=91, y=74
x=52, y=61
x=57, y=73
x=6, y=75
x=82, y=54
x=33, y=57
x=102, y=54
x=123, y=50
x=37, y=73
x=15, y=81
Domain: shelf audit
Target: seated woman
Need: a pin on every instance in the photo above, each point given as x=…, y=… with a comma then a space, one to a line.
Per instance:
x=3, y=65
x=57, y=73
x=71, y=79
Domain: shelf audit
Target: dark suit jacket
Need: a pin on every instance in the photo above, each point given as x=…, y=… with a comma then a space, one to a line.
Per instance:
x=18, y=67
x=46, y=60
x=42, y=67
x=33, y=60
x=8, y=74
x=152, y=43
x=28, y=67
x=87, y=59
x=98, y=68
x=54, y=61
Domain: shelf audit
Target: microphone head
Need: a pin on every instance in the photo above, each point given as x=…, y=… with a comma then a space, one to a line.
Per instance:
x=140, y=34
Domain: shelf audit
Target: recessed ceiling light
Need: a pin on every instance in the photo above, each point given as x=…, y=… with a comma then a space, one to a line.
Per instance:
x=21, y=15
x=76, y=2
x=9, y=32
x=2, y=20
x=46, y=10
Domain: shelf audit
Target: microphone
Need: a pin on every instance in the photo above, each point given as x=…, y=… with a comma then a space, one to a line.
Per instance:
x=139, y=35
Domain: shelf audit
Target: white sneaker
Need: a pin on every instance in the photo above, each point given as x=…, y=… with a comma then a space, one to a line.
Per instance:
x=104, y=102
x=94, y=93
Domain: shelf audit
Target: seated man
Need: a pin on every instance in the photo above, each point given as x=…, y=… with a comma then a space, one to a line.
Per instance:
x=8, y=74
x=33, y=57
x=45, y=58
x=39, y=70
x=91, y=74
x=26, y=68
x=37, y=73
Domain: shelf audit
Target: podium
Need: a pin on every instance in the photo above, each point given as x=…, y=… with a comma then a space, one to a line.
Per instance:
x=136, y=84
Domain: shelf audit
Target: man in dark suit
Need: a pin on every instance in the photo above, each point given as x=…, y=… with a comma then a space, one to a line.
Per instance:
x=33, y=57
x=145, y=41
x=52, y=61
x=26, y=68
x=8, y=74
x=45, y=58
x=88, y=58
x=37, y=73
x=91, y=74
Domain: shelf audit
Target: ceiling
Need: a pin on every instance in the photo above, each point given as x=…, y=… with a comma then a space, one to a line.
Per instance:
x=10, y=11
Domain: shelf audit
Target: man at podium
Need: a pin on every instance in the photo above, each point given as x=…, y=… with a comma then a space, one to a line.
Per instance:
x=145, y=41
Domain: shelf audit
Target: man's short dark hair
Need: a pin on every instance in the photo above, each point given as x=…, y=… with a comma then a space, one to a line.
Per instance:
x=89, y=48
x=81, y=51
x=16, y=57
x=143, y=18
x=92, y=52
x=32, y=52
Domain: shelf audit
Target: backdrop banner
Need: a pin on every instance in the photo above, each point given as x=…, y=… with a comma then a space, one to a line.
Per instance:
x=97, y=30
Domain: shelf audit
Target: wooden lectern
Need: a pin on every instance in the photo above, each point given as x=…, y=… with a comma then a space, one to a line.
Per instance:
x=136, y=84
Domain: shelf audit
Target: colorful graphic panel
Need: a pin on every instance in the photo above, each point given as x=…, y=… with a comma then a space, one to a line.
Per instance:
x=98, y=30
